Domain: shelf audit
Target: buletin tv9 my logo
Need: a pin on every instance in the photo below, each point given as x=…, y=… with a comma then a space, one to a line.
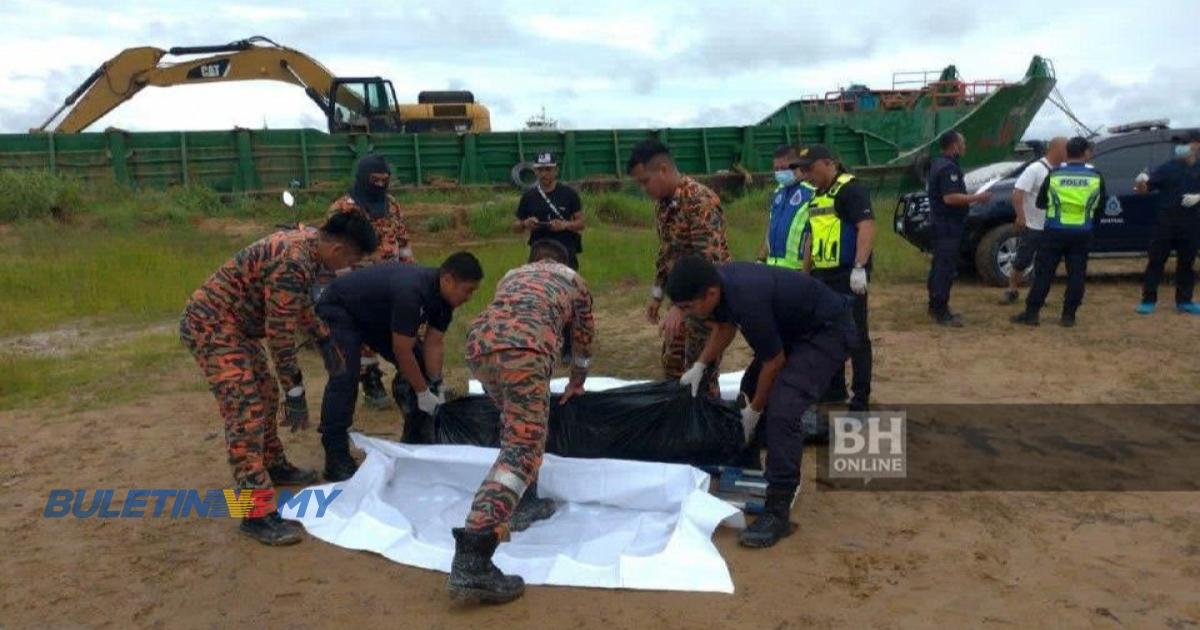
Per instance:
x=184, y=503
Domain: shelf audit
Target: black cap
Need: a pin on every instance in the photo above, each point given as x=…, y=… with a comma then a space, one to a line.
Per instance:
x=1186, y=137
x=1077, y=146
x=545, y=158
x=812, y=153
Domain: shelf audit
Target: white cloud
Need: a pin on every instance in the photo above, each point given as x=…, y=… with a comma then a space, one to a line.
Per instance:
x=611, y=64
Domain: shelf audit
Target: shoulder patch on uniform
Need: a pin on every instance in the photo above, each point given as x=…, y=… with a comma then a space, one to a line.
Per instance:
x=954, y=177
x=797, y=197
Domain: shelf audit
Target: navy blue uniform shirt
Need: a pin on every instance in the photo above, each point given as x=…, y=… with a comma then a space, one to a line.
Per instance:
x=390, y=297
x=945, y=177
x=1172, y=180
x=775, y=307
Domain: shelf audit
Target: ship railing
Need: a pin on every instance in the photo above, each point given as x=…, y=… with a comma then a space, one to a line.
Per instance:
x=949, y=94
x=914, y=79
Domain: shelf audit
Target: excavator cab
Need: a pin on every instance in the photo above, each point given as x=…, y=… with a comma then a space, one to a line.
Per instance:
x=363, y=104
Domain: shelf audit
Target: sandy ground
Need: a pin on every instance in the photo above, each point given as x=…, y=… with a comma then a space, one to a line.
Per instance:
x=881, y=559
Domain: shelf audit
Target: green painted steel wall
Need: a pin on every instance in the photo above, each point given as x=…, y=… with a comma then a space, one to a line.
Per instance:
x=249, y=160
x=242, y=160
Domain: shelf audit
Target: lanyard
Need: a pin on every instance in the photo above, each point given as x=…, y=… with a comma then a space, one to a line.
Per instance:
x=553, y=208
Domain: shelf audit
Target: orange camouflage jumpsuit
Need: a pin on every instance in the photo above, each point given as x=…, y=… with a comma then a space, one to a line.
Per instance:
x=511, y=348
x=689, y=222
x=393, y=246
x=264, y=292
x=390, y=228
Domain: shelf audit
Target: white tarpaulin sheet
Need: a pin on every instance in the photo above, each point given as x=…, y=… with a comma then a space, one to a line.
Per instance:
x=620, y=524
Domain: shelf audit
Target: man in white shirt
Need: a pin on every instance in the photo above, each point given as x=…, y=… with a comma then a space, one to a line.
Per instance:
x=1031, y=220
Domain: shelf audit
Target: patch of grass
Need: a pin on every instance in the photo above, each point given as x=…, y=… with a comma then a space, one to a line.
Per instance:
x=438, y=223
x=51, y=273
x=28, y=195
x=619, y=209
x=490, y=218
x=102, y=375
x=465, y=195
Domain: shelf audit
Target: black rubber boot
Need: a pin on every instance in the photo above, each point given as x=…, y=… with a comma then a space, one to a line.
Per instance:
x=773, y=524
x=270, y=530
x=1025, y=317
x=531, y=509
x=946, y=318
x=374, y=393
x=339, y=464
x=473, y=577
x=285, y=474
x=1068, y=319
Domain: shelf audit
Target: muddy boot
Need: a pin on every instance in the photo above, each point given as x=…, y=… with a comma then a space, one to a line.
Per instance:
x=374, y=393
x=270, y=530
x=473, y=577
x=773, y=524
x=1025, y=317
x=339, y=464
x=285, y=474
x=531, y=509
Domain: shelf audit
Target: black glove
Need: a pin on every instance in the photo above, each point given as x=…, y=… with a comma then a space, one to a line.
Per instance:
x=295, y=411
x=331, y=354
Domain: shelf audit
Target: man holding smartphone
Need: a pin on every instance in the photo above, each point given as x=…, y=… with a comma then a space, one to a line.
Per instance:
x=551, y=210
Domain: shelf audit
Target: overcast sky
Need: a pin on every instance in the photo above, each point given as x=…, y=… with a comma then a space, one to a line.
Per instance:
x=611, y=64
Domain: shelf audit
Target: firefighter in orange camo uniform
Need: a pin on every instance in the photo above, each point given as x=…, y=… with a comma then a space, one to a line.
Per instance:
x=690, y=222
x=369, y=196
x=265, y=293
x=512, y=348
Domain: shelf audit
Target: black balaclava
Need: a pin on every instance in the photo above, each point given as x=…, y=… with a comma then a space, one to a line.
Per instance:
x=373, y=199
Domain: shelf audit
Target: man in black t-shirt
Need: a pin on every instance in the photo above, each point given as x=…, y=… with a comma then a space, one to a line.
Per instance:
x=383, y=306
x=550, y=210
x=839, y=239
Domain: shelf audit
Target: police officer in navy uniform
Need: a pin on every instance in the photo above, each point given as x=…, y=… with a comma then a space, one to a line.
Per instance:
x=948, y=203
x=1178, y=186
x=800, y=331
x=838, y=243
x=1071, y=195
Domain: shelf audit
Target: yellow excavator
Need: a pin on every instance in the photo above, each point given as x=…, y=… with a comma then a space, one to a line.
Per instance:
x=350, y=104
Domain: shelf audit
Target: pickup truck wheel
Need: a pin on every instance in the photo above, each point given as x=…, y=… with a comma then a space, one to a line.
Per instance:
x=995, y=254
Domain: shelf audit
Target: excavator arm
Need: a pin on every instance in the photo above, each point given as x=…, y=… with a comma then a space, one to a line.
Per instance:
x=253, y=59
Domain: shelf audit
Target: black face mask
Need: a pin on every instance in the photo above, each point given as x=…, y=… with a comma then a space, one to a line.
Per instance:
x=372, y=198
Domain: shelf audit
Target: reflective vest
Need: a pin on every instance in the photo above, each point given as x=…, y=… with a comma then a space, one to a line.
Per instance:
x=1073, y=195
x=789, y=216
x=826, y=226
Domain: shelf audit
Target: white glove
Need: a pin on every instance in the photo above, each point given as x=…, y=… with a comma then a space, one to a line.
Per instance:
x=1191, y=200
x=858, y=281
x=428, y=402
x=1141, y=178
x=693, y=376
x=750, y=418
